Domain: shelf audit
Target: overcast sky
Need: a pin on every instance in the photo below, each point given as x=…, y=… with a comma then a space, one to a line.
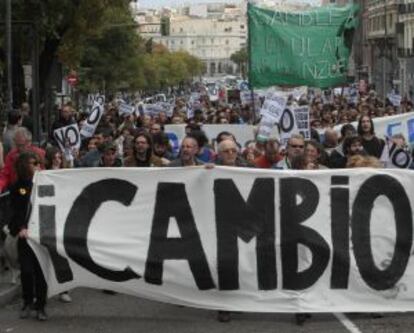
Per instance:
x=171, y=3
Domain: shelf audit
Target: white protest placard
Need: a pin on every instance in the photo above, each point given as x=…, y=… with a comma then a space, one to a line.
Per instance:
x=246, y=98
x=125, y=109
x=189, y=236
x=89, y=127
x=273, y=106
x=400, y=158
x=287, y=125
x=395, y=99
x=190, y=112
x=299, y=92
x=327, y=96
x=95, y=98
x=265, y=128
x=68, y=136
x=90, y=100
x=152, y=109
x=168, y=108
x=395, y=157
x=193, y=104
x=302, y=121
x=352, y=97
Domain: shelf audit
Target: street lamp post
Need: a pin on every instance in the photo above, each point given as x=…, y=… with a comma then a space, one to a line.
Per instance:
x=9, y=56
x=384, y=74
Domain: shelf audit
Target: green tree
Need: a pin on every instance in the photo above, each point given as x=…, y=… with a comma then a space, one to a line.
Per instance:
x=114, y=57
x=240, y=58
x=63, y=27
x=168, y=69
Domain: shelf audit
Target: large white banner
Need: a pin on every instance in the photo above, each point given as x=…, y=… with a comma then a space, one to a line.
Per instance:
x=388, y=126
x=230, y=238
x=243, y=133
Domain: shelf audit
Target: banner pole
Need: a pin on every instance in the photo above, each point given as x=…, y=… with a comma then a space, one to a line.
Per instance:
x=250, y=63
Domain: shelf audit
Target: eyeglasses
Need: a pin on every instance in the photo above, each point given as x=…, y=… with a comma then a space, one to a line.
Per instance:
x=297, y=146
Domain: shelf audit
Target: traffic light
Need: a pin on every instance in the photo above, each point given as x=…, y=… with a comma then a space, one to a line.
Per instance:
x=165, y=26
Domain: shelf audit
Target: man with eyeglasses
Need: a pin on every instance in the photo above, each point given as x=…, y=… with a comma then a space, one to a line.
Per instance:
x=228, y=154
x=22, y=142
x=295, y=149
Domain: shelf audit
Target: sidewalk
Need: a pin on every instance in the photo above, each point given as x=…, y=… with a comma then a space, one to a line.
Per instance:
x=8, y=291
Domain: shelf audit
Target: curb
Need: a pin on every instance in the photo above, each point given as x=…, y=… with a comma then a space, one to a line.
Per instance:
x=8, y=292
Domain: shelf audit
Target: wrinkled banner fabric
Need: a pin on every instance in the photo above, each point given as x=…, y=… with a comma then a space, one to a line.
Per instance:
x=300, y=48
x=230, y=238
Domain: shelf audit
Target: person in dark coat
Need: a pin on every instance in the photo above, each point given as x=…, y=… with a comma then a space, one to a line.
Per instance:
x=65, y=119
x=34, y=287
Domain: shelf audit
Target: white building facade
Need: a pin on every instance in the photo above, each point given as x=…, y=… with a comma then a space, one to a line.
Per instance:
x=209, y=39
x=210, y=32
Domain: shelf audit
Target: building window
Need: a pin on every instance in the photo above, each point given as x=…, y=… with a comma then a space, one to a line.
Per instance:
x=212, y=40
x=242, y=26
x=192, y=42
x=181, y=30
x=227, y=42
x=212, y=68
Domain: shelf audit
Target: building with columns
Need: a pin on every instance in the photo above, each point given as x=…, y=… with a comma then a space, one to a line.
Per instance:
x=210, y=39
x=211, y=32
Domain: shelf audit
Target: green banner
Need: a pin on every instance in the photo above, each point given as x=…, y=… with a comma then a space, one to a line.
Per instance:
x=309, y=48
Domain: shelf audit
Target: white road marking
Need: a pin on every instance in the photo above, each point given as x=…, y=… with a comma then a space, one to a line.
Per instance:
x=349, y=325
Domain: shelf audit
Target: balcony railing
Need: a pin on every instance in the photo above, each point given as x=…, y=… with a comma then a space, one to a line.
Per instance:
x=406, y=8
x=405, y=53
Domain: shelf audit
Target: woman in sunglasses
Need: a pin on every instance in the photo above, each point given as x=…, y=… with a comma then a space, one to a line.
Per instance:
x=34, y=287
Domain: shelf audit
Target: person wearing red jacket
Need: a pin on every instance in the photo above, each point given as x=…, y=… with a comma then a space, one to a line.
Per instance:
x=23, y=142
x=271, y=155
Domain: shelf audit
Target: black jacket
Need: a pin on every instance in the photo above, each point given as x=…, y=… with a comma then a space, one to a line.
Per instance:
x=19, y=205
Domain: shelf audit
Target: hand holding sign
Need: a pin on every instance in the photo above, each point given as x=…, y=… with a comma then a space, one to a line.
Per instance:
x=273, y=106
x=67, y=136
x=125, y=109
x=88, y=129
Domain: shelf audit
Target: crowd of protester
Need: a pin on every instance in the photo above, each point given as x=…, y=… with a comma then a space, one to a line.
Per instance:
x=139, y=140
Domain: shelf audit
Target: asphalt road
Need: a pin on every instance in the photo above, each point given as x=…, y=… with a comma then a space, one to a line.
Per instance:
x=94, y=311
